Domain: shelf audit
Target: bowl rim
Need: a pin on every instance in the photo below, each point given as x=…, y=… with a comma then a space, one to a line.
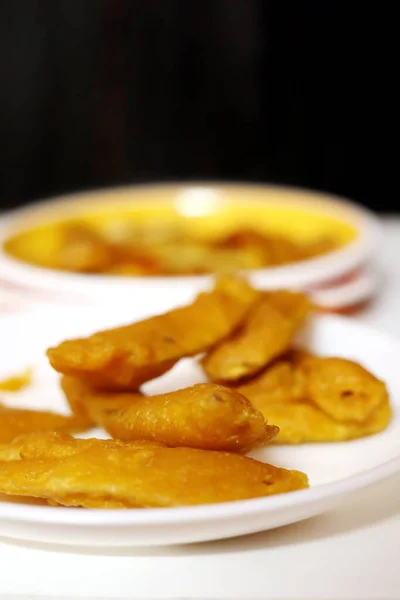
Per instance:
x=303, y=273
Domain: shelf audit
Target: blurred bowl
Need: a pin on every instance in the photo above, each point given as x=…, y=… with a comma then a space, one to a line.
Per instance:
x=28, y=234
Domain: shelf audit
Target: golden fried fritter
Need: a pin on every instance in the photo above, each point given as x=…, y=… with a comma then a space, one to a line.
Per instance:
x=377, y=421
x=304, y=397
x=206, y=416
x=278, y=384
x=118, y=475
x=305, y=423
x=11, y=450
x=46, y=445
x=75, y=391
x=125, y=357
x=299, y=356
x=23, y=500
x=266, y=334
x=301, y=422
x=295, y=306
x=343, y=389
x=16, y=421
x=53, y=445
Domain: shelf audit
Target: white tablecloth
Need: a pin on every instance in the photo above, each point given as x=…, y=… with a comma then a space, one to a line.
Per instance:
x=351, y=552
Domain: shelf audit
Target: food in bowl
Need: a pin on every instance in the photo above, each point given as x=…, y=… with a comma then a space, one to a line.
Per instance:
x=178, y=231
x=162, y=249
x=84, y=249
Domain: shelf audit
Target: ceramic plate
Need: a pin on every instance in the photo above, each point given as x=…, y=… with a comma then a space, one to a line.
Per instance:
x=336, y=471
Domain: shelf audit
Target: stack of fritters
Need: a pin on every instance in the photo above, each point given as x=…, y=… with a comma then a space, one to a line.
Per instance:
x=187, y=446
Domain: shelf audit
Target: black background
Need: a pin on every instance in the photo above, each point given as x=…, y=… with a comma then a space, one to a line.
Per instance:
x=96, y=93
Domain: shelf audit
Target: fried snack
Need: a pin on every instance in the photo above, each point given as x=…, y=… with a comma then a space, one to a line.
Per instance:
x=278, y=384
x=272, y=250
x=266, y=334
x=22, y=500
x=16, y=421
x=18, y=382
x=45, y=445
x=298, y=356
x=53, y=445
x=75, y=391
x=126, y=357
x=82, y=250
x=343, y=389
x=311, y=399
x=206, y=416
x=11, y=450
x=295, y=306
x=282, y=382
x=118, y=475
x=301, y=422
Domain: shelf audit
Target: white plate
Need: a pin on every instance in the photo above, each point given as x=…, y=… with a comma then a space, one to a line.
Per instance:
x=336, y=471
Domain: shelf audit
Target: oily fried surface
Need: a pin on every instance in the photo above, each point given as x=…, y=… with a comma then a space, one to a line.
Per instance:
x=206, y=416
x=295, y=306
x=53, y=445
x=125, y=357
x=278, y=384
x=75, y=391
x=301, y=422
x=11, y=450
x=119, y=475
x=22, y=500
x=299, y=356
x=343, y=389
x=315, y=399
x=15, y=422
x=266, y=334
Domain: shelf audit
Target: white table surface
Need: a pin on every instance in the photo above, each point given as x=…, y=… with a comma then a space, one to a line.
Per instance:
x=351, y=552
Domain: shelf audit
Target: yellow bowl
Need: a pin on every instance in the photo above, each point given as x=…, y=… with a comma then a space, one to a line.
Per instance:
x=29, y=237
